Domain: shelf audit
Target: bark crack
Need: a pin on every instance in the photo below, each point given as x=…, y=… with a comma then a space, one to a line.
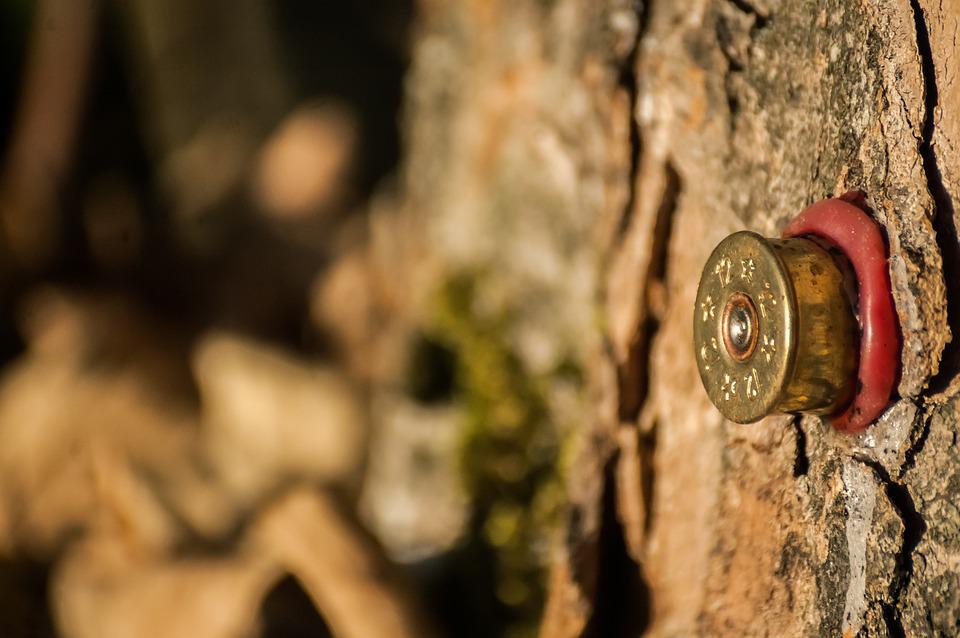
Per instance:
x=943, y=213
x=914, y=528
x=621, y=599
x=897, y=491
x=910, y=456
x=628, y=81
x=760, y=18
x=801, y=464
x=634, y=374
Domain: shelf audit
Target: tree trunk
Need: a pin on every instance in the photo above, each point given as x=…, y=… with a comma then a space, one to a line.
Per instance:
x=580, y=159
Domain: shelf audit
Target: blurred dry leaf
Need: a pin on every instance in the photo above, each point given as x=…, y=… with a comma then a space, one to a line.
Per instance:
x=303, y=167
x=268, y=417
x=340, y=566
x=100, y=590
x=62, y=418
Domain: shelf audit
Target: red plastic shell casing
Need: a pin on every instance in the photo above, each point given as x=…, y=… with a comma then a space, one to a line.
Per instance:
x=844, y=224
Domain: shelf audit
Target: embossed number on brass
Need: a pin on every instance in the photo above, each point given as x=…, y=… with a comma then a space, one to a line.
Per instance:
x=752, y=384
x=722, y=270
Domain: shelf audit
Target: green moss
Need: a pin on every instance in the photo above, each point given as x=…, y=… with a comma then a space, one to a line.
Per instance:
x=509, y=454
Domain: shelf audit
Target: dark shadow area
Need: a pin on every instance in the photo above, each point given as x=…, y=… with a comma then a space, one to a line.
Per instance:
x=24, y=610
x=288, y=612
x=362, y=62
x=458, y=588
x=14, y=20
x=431, y=370
x=621, y=606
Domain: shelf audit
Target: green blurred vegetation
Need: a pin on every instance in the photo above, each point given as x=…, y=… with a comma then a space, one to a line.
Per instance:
x=509, y=455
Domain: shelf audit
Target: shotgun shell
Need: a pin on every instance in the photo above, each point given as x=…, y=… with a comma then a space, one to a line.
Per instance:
x=775, y=329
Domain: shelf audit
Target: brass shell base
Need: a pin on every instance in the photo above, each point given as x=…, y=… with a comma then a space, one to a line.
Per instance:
x=774, y=330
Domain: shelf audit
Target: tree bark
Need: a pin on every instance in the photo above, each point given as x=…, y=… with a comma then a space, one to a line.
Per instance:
x=583, y=158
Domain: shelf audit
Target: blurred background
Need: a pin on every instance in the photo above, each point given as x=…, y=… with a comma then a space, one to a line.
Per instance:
x=371, y=318
x=274, y=361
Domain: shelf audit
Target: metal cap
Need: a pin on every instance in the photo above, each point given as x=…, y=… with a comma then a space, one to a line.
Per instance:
x=773, y=329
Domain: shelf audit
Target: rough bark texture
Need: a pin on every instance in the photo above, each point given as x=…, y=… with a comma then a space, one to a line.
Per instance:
x=581, y=159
